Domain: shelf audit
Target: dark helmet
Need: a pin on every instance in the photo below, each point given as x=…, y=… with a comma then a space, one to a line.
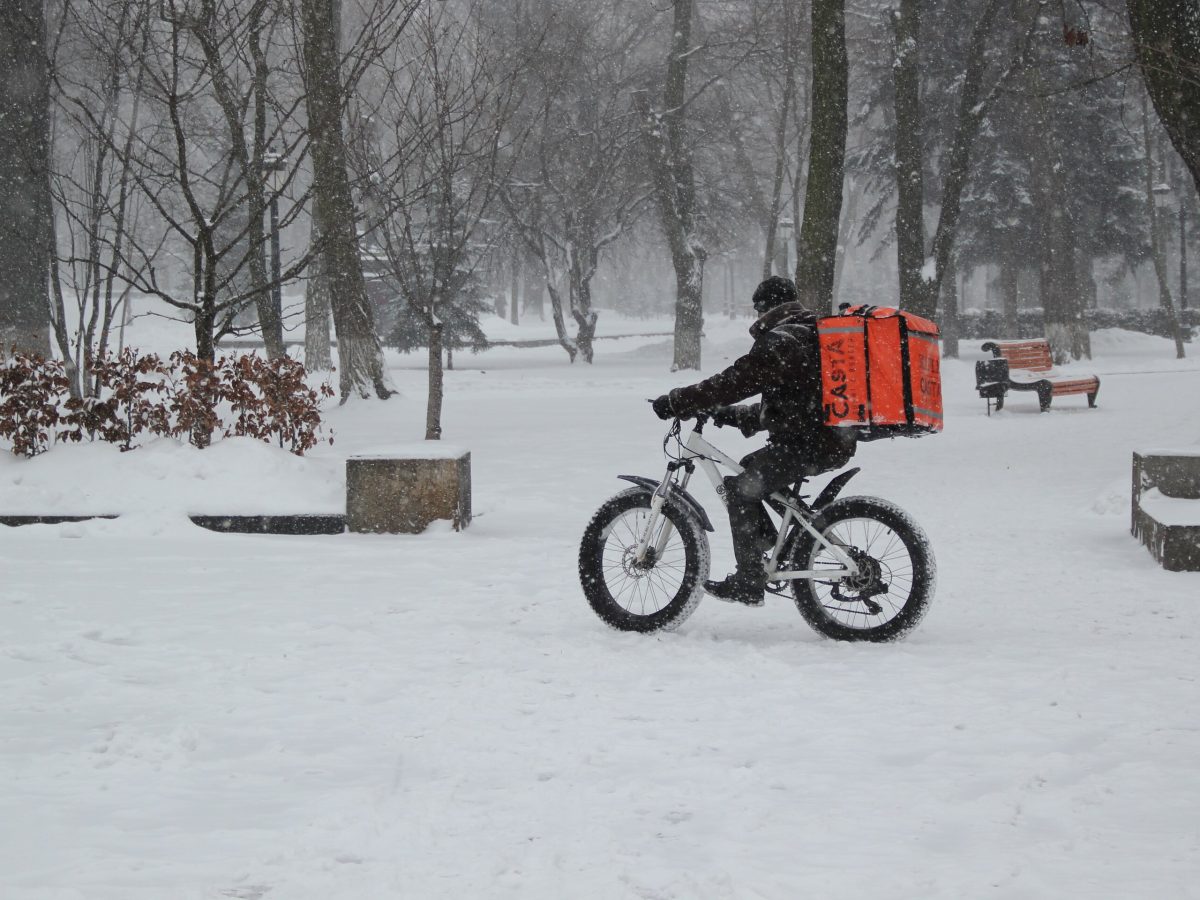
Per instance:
x=772, y=293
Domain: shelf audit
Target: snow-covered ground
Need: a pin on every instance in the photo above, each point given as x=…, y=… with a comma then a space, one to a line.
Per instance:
x=192, y=715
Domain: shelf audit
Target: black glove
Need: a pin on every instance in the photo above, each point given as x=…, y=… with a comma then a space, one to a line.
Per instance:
x=749, y=426
x=662, y=407
x=725, y=415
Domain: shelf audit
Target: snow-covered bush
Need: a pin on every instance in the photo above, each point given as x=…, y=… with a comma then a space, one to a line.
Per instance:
x=272, y=401
x=33, y=392
x=184, y=396
x=128, y=401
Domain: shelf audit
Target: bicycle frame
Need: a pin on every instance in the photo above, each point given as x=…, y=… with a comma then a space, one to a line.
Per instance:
x=698, y=451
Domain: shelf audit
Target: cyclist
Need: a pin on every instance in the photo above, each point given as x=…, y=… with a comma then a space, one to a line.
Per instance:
x=783, y=365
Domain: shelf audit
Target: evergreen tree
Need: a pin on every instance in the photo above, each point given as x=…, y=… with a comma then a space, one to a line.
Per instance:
x=459, y=317
x=1058, y=186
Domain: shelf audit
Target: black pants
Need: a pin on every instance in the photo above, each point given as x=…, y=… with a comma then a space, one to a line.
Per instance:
x=771, y=469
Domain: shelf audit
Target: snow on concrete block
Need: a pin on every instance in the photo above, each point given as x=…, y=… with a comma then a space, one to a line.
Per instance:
x=1166, y=507
x=403, y=492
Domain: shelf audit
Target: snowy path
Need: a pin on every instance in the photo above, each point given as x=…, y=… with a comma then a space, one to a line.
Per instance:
x=186, y=714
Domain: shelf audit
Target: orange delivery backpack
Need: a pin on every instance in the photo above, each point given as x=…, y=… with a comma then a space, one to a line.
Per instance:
x=880, y=372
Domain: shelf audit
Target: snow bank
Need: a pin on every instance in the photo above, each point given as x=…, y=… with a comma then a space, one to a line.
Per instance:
x=203, y=716
x=236, y=476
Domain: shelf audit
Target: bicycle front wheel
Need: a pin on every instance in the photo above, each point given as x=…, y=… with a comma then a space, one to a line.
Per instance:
x=661, y=590
x=895, y=584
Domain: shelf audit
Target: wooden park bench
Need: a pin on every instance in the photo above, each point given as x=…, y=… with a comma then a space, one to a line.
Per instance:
x=1027, y=366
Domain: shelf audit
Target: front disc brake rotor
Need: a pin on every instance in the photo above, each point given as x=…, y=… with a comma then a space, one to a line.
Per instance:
x=635, y=569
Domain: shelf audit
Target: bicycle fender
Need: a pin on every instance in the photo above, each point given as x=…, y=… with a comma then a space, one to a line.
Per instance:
x=830, y=491
x=676, y=496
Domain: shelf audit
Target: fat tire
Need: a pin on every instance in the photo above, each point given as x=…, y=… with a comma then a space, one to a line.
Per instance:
x=591, y=565
x=924, y=574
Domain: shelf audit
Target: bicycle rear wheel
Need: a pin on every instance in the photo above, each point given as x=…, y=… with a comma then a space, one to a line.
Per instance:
x=898, y=573
x=659, y=592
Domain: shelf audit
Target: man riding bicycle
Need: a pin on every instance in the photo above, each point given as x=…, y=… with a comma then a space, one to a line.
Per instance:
x=784, y=366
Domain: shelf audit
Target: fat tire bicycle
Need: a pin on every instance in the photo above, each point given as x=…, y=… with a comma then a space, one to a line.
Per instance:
x=859, y=568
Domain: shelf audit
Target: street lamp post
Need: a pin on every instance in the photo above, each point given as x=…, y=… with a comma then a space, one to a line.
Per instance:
x=1162, y=191
x=1183, y=273
x=273, y=165
x=786, y=225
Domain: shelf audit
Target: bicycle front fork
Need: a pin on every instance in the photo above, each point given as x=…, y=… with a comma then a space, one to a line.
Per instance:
x=659, y=527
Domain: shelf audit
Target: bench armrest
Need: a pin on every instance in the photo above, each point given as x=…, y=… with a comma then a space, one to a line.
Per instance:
x=989, y=372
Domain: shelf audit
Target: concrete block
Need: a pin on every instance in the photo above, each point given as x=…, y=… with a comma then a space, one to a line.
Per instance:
x=403, y=491
x=1165, y=507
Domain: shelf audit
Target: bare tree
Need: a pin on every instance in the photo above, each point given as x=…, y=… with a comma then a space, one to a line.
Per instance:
x=170, y=121
x=761, y=113
x=98, y=118
x=237, y=60
x=445, y=107
x=579, y=185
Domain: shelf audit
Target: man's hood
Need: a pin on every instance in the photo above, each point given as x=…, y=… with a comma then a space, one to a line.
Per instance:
x=785, y=314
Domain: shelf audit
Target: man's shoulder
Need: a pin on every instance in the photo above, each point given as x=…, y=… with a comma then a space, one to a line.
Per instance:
x=790, y=333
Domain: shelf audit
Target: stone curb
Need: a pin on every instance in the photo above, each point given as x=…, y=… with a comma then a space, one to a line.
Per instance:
x=300, y=524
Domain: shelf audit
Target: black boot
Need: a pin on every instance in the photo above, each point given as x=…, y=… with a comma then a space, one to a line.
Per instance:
x=739, y=588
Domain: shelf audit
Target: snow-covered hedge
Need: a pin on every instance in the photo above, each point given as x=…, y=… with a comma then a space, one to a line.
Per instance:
x=989, y=323
x=130, y=395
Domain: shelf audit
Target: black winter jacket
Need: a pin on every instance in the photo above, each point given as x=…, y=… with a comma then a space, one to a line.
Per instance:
x=784, y=366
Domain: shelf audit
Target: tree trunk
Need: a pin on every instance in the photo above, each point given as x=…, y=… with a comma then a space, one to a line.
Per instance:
x=1157, y=253
x=360, y=355
x=58, y=316
x=534, y=300
x=950, y=312
x=910, y=204
x=817, y=248
x=1010, y=298
x=585, y=317
x=269, y=301
x=845, y=236
x=433, y=407
x=25, y=205
x=515, y=286
x=317, y=356
x=204, y=325
x=1183, y=260
x=689, y=311
x=1062, y=308
x=1166, y=37
x=560, y=321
